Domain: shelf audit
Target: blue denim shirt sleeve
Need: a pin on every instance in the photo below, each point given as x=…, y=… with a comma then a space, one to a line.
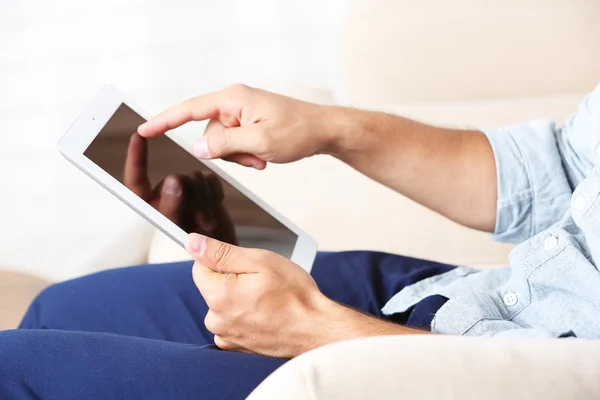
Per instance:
x=538, y=166
x=548, y=199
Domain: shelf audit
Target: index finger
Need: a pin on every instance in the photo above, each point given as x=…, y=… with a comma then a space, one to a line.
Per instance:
x=198, y=108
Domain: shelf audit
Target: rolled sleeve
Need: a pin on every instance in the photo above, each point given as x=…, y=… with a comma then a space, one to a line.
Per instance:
x=533, y=190
x=538, y=167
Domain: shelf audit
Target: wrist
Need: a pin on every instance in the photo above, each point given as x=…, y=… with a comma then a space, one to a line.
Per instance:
x=312, y=328
x=344, y=130
x=331, y=322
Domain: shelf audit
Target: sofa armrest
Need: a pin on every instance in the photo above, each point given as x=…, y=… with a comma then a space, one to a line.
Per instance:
x=440, y=367
x=17, y=291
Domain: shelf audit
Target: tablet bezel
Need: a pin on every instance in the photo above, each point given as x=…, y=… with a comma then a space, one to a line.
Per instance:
x=88, y=125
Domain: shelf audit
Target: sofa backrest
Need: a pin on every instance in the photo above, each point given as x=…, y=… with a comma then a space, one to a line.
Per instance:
x=398, y=51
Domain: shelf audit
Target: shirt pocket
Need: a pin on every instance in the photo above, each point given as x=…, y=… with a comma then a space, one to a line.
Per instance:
x=562, y=293
x=549, y=289
x=542, y=266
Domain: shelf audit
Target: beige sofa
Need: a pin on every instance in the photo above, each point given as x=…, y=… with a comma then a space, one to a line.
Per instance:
x=482, y=64
x=16, y=292
x=465, y=62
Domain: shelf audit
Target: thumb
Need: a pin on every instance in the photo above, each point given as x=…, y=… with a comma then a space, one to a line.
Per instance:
x=218, y=256
x=221, y=142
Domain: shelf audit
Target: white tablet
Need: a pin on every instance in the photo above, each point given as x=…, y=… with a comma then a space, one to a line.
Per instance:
x=104, y=144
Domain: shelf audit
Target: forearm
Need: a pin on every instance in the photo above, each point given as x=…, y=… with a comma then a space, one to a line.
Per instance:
x=449, y=171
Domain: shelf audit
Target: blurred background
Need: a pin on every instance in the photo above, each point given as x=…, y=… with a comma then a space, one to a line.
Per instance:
x=57, y=55
x=462, y=63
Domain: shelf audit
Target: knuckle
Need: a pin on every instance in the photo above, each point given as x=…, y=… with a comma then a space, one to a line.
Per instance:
x=214, y=299
x=222, y=344
x=214, y=324
x=210, y=300
x=221, y=254
x=217, y=301
x=238, y=89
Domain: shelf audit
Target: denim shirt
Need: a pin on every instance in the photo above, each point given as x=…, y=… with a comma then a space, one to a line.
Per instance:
x=549, y=202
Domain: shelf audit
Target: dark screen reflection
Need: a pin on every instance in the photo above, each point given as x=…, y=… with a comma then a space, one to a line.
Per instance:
x=182, y=188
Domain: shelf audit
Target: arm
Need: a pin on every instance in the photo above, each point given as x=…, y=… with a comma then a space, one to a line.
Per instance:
x=449, y=171
x=515, y=181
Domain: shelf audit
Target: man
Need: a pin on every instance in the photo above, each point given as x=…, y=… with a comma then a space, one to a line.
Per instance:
x=138, y=332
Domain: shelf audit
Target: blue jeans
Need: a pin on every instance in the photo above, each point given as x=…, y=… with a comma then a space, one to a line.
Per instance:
x=138, y=332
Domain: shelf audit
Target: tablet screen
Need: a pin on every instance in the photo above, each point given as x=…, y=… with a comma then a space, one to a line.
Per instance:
x=179, y=186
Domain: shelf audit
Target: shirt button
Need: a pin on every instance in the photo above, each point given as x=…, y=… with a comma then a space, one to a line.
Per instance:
x=579, y=203
x=510, y=299
x=550, y=242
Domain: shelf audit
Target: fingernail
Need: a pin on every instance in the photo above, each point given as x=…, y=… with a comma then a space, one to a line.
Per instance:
x=257, y=165
x=197, y=243
x=200, y=148
x=171, y=186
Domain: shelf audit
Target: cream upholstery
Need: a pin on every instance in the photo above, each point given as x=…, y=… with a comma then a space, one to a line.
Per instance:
x=16, y=292
x=405, y=51
x=440, y=367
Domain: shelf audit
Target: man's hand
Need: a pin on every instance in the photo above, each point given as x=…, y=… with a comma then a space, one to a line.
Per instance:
x=193, y=201
x=451, y=171
x=250, y=126
x=260, y=302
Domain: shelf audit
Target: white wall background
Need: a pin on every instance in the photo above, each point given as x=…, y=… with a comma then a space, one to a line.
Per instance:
x=54, y=57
